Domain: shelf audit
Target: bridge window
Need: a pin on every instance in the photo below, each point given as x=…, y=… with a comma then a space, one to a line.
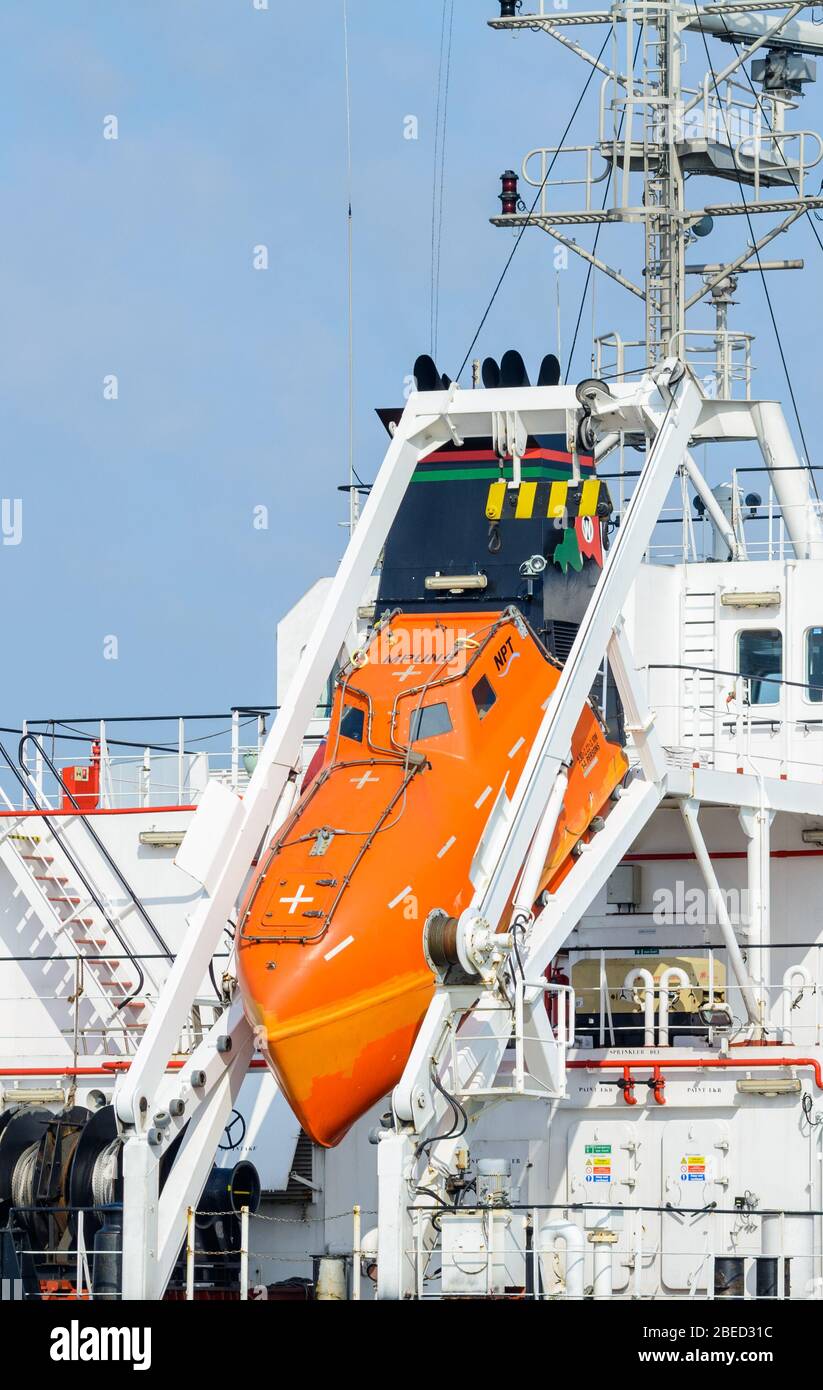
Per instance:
x=814, y=664
x=760, y=658
x=483, y=696
x=352, y=721
x=430, y=721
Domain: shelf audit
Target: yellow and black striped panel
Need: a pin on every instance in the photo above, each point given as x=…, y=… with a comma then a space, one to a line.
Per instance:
x=552, y=500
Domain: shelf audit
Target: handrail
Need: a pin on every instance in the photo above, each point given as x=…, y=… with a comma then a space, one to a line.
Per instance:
x=112, y=742
x=158, y=718
x=112, y=863
x=739, y=675
x=92, y=892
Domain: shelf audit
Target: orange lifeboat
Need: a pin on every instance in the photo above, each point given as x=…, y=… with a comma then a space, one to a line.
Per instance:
x=438, y=714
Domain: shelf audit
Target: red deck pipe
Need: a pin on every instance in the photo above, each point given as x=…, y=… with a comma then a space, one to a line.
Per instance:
x=257, y=1064
x=692, y=1064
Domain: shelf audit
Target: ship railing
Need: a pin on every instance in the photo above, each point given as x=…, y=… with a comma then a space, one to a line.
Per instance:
x=144, y=761
x=675, y=994
x=728, y=112
x=725, y=115
x=62, y=985
x=631, y=1250
x=684, y=535
x=697, y=539
x=249, y=1262
x=631, y=120
x=750, y=127
x=720, y=359
x=590, y=1250
x=730, y=374
x=586, y=177
x=765, y=152
x=708, y=717
x=79, y=1270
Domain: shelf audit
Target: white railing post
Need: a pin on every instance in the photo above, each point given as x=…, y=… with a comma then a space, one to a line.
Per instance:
x=181, y=741
x=78, y=1276
x=105, y=769
x=603, y=994
x=26, y=797
x=38, y=772
x=244, y=1254
x=190, y=1254
x=356, y=1249
x=235, y=748
x=519, y=1054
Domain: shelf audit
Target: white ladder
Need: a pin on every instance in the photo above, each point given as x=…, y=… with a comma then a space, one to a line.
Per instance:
x=698, y=712
x=74, y=925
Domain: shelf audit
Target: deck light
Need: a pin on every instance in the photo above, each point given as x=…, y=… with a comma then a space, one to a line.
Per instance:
x=161, y=839
x=769, y=1086
x=509, y=8
x=737, y=598
x=455, y=583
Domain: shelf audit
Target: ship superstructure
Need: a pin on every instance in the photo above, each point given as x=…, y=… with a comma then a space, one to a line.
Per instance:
x=610, y=1082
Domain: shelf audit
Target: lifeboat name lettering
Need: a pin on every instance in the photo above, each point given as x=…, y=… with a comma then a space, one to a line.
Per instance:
x=588, y=753
x=504, y=655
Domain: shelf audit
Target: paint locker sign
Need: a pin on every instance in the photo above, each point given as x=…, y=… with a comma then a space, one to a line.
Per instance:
x=696, y=1168
x=598, y=1163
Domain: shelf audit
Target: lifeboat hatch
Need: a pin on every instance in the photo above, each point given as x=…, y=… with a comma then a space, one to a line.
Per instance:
x=308, y=871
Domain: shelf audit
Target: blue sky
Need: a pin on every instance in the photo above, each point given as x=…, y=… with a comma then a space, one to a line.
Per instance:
x=134, y=257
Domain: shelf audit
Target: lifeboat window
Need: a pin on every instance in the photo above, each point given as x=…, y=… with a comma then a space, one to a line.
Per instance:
x=430, y=721
x=760, y=659
x=483, y=696
x=351, y=723
x=814, y=664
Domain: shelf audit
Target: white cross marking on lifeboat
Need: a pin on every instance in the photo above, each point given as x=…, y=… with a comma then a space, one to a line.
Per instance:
x=298, y=898
x=360, y=782
x=404, y=675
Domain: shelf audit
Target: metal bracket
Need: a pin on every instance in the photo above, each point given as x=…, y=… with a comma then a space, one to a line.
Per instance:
x=509, y=437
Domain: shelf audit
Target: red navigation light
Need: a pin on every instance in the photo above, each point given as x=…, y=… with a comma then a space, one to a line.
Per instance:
x=509, y=196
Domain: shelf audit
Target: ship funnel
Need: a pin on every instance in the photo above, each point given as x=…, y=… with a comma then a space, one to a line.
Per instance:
x=513, y=369
x=549, y=371
x=427, y=377
x=490, y=373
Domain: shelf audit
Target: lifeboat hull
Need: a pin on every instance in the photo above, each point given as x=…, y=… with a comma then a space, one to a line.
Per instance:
x=436, y=718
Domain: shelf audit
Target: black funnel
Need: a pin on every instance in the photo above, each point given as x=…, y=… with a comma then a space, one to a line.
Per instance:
x=490, y=373
x=427, y=376
x=513, y=369
x=549, y=371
